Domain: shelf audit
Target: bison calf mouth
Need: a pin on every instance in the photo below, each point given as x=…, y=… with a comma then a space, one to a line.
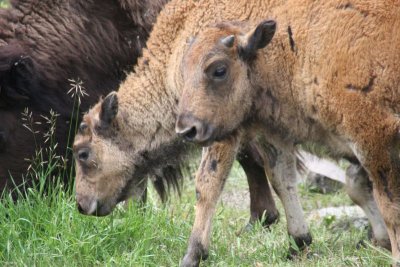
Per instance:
x=91, y=206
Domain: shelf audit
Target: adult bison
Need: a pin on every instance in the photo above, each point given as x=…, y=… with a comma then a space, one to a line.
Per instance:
x=329, y=75
x=132, y=132
x=45, y=43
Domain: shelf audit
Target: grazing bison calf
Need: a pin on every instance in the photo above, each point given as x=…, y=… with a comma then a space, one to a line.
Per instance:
x=131, y=133
x=329, y=76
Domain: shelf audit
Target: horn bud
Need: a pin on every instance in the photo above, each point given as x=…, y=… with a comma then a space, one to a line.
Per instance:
x=228, y=41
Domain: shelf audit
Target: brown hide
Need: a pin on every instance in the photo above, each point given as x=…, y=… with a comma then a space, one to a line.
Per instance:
x=329, y=76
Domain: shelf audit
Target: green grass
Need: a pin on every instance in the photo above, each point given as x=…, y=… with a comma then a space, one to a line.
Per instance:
x=47, y=230
x=4, y=3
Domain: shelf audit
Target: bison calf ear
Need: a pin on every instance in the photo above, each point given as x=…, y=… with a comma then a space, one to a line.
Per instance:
x=109, y=108
x=257, y=38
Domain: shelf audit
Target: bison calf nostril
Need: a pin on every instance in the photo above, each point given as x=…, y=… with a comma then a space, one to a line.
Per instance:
x=190, y=134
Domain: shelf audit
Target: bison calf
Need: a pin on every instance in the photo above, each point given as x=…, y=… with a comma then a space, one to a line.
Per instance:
x=319, y=72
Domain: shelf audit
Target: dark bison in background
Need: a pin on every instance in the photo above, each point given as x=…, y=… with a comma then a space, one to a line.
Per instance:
x=45, y=43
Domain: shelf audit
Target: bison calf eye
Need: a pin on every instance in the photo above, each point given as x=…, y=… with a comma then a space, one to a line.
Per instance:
x=83, y=154
x=219, y=72
x=82, y=127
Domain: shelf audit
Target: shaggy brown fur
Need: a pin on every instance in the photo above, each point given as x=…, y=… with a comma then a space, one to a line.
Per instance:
x=45, y=43
x=131, y=133
x=329, y=76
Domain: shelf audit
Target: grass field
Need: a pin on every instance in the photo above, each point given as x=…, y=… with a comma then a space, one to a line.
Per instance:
x=48, y=231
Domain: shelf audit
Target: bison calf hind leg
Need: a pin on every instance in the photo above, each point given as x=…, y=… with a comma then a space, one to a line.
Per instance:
x=283, y=179
x=262, y=204
x=359, y=189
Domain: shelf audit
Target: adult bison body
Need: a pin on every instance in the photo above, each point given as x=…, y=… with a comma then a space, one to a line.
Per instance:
x=328, y=75
x=132, y=132
x=43, y=44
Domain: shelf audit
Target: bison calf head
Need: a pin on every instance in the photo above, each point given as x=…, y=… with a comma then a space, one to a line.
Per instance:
x=218, y=88
x=103, y=161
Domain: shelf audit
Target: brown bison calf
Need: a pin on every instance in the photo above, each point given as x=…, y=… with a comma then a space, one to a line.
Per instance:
x=329, y=76
x=132, y=133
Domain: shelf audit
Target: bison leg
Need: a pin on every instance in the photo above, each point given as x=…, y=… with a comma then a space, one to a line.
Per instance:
x=359, y=189
x=377, y=149
x=261, y=200
x=215, y=165
x=386, y=189
x=284, y=181
x=387, y=194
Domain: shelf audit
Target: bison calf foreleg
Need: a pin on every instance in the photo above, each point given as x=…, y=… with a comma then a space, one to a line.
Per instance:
x=215, y=165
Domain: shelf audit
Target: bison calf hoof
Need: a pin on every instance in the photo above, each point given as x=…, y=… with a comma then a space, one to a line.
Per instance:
x=301, y=242
x=189, y=261
x=192, y=261
x=270, y=219
x=383, y=242
x=196, y=252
